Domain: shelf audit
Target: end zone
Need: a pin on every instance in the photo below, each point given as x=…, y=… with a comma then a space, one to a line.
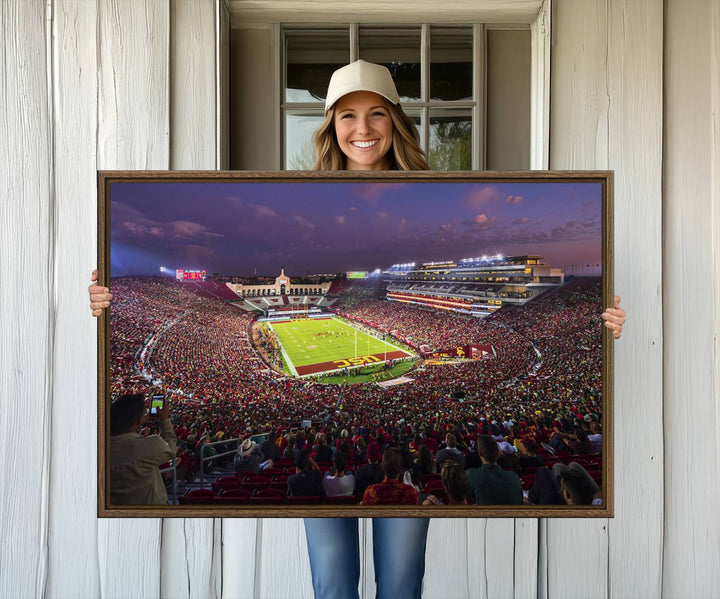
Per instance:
x=326, y=367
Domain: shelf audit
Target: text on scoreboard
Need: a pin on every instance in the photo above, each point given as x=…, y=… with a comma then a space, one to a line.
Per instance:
x=189, y=275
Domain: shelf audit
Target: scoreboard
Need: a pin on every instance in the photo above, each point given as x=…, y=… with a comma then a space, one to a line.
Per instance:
x=189, y=275
x=357, y=274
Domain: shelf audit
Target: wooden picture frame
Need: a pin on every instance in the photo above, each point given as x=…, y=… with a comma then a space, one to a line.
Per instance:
x=310, y=222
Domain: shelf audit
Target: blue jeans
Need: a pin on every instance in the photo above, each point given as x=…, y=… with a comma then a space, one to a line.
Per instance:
x=398, y=553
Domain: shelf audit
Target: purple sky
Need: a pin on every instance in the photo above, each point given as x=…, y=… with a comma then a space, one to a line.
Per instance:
x=236, y=228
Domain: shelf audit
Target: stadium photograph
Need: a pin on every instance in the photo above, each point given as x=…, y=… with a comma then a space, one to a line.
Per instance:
x=314, y=318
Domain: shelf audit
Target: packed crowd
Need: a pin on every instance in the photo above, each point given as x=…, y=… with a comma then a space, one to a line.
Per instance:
x=546, y=371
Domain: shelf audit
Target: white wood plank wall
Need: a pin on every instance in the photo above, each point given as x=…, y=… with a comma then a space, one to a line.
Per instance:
x=691, y=256
x=606, y=112
x=73, y=542
x=27, y=314
x=118, y=84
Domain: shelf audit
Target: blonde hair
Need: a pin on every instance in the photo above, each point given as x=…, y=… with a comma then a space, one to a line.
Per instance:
x=404, y=155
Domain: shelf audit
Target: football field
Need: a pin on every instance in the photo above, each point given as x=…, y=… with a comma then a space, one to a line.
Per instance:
x=314, y=346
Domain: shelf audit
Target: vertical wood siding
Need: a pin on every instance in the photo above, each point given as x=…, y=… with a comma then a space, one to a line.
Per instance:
x=692, y=305
x=73, y=512
x=27, y=316
x=118, y=84
x=635, y=86
x=607, y=113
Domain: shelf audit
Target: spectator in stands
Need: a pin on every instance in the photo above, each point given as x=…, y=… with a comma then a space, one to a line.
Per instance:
x=370, y=473
x=545, y=489
x=490, y=484
x=134, y=459
x=454, y=483
x=595, y=436
x=289, y=453
x=580, y=443
x=391, y=491
x=323, y=453
x=576, y=488
x=269, y=447
x=423, y=463
x=248, y=458
x=307, y=480
x=339, y=484
x=207, y=452
x=360, y=452
x=507, y=458
x=449, y=452
x=530, y=459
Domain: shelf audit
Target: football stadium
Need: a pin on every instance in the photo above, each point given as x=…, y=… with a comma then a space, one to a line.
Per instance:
x=503, y=344
x=345, y=318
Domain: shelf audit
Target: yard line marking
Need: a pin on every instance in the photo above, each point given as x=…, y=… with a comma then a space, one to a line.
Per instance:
x=381, y=340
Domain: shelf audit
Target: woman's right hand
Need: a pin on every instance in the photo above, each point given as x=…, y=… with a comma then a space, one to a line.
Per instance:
x=99, y=296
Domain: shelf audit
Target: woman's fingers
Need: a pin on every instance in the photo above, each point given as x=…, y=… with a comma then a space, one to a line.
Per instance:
x=99, y=296
x=615, y=318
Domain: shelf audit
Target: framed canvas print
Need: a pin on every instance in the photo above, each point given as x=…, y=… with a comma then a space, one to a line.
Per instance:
x=355, y=344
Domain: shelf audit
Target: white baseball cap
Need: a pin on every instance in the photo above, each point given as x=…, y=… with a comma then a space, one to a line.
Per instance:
x=361, y=76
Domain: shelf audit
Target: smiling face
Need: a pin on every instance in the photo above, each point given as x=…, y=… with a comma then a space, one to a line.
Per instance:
x=364, y=130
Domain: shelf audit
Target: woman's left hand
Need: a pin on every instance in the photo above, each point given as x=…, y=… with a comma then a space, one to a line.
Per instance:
x=615, y=318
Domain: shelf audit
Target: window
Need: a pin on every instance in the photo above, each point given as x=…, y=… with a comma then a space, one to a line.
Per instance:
x=436, y=70
x=467, y=87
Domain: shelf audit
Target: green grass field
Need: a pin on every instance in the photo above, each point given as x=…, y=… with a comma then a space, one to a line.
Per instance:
x=307, y=342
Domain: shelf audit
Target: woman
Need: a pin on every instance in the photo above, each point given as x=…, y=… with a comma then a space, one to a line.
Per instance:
x=365, y=129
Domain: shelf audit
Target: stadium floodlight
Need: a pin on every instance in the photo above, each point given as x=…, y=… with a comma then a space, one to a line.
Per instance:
x=484, y=258
x=499, y=256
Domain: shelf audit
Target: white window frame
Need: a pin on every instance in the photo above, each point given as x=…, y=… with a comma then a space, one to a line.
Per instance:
x=540, y=27
x=476, y=107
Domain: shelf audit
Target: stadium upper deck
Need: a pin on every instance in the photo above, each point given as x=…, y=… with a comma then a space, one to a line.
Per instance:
x=476, y=286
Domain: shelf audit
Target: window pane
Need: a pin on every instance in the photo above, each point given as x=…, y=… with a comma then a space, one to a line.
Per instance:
x=399, y=51
x=414, y=115
x=451, y=55
x=311, y=57
x=299, y=149
x=450, y=145
x=508, y=100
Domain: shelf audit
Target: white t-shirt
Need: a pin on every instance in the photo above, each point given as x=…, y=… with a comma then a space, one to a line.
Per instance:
x=335, y=487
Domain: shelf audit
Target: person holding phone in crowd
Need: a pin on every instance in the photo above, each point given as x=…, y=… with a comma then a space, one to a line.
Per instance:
x=135, y=459
x=365, y=128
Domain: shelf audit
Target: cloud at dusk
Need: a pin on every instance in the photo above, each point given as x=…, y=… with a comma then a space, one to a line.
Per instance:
x=263, y=211
x=480, y=219
x=132, y=224
x=303, y=222
x=480, y=195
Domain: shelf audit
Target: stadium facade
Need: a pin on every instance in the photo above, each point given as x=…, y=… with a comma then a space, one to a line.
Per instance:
x=280, y=287
x=475, y=286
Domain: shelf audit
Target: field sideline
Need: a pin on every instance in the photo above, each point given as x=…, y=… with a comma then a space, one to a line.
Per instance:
x=313, y=346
